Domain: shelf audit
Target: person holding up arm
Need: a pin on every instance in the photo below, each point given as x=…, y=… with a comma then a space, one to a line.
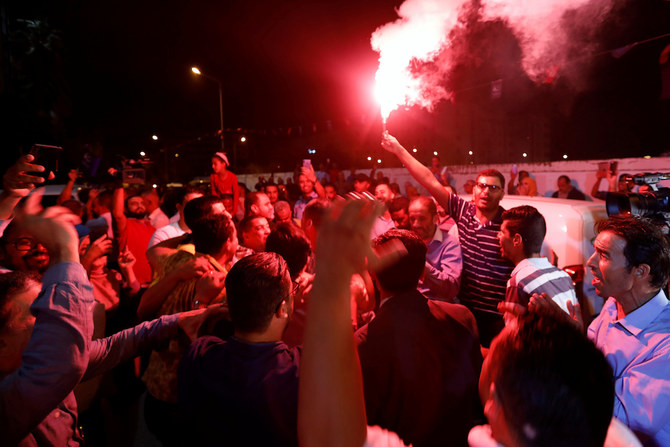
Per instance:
x=485, y=271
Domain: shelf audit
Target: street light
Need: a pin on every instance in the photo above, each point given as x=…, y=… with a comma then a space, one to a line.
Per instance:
x=197, y=72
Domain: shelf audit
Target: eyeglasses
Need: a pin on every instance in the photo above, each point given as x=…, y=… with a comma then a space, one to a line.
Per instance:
x=483, y=186
x=23, y=244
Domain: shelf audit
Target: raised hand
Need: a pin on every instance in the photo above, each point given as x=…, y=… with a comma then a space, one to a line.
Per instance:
x=53, y=228
x=18, y=180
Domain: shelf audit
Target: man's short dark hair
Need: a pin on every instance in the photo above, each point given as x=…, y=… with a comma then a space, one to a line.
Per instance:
x=73, y=205
x=564, y=177
x=399, y=203
x=131, y=196
x=256, y=285
x=12, y=283
x=247, y=223
x=426, y=202
x=362, y=178
x=105, y=199
x=210, y=229
x=403, y=275
x=315, y=211
x=200, y=207
x=493, y=173
x=529, y=223
x=555, y=386
x=290, y=242
x=645, y=244
x=251, y=199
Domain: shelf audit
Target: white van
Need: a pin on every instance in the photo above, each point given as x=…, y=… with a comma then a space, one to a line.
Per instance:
x=570, y=234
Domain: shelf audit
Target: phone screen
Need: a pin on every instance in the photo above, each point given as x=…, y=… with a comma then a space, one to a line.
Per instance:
x=46, y=156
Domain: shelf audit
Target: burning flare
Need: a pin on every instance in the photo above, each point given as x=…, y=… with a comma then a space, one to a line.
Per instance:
x=411, y=73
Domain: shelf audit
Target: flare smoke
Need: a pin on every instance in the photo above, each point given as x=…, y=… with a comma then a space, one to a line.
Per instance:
x=418, y=50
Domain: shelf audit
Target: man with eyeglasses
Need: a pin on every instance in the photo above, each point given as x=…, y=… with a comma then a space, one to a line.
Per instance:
x=485, y=271
x=245, y=389
x=21, y=252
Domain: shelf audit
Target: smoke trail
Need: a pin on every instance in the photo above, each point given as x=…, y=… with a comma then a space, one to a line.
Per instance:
x=419, y=49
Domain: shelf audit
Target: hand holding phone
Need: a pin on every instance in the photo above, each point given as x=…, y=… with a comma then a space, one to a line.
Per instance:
x=46, y=156
x=21, y=177
x=614, y=167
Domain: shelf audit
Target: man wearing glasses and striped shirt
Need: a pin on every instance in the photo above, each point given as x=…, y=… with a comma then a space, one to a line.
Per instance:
x=485, y=271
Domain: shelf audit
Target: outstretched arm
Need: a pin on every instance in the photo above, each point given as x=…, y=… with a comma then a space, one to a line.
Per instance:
x=57, y=353
x=66, y=193
x=331, y=407
x=119, y=219
x=420, y=172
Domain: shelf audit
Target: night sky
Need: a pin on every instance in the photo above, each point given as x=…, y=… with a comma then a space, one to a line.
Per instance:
x=299, y=74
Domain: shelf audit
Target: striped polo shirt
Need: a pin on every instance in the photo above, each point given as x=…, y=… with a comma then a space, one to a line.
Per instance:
x=537, y=275
x=485, y=271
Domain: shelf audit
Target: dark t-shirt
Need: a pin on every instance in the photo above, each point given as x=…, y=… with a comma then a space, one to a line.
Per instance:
x=237, y=393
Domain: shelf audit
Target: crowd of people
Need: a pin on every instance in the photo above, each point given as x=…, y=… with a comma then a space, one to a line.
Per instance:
x=323, y=313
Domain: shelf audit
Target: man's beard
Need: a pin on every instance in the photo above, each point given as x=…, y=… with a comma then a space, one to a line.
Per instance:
x=136, y=215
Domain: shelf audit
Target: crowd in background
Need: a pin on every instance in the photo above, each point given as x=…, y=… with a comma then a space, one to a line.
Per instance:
x=426, y=319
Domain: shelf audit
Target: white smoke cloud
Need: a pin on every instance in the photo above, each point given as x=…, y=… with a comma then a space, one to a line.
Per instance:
x=421, y=37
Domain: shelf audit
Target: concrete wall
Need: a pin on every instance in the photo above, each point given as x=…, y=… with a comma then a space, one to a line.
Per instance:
x=581, y=172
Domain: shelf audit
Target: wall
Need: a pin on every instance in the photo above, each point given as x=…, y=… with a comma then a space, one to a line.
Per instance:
x=581, y=172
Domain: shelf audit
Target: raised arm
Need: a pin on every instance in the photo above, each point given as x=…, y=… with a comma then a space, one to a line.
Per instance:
x=420, y=172
x=331, y=407
x=311, y=175
x=66, y=193
x=56, y=355
x=595, y=189
x=119, y=219
x=154, y=296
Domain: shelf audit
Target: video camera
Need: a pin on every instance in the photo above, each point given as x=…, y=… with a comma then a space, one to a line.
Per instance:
x=654, y=203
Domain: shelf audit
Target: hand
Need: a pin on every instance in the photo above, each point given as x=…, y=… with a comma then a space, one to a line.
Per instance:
x=601, y=174
x=391, y=144
x=92, y=194
x=209, y=287
x=309, y=173
x=17, y=181
x=305, y=282
x=542, y=303
x=344, y=238
x=53, y=228
x=73, y=175
x=193, y=268
x=511, y=312
x=99, y=247
x=191, y=321
x=126, y=259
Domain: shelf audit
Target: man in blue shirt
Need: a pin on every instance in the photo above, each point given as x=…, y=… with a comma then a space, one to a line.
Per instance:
x=630, y=267
x=443, y=258
x=45, y=336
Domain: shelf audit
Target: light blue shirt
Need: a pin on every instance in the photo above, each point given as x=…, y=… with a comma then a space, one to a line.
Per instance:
x=444, y=264
x=637, y=348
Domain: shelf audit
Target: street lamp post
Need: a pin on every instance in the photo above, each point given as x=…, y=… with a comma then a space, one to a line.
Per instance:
x=197, y=72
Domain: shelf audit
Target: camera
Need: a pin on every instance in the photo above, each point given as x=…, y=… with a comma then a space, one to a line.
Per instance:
x=653, y=203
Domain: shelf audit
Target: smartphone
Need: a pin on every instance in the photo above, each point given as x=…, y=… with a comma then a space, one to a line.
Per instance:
x=614, y=165
x=515, y=169
x=46, y=156
x=306, y=163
